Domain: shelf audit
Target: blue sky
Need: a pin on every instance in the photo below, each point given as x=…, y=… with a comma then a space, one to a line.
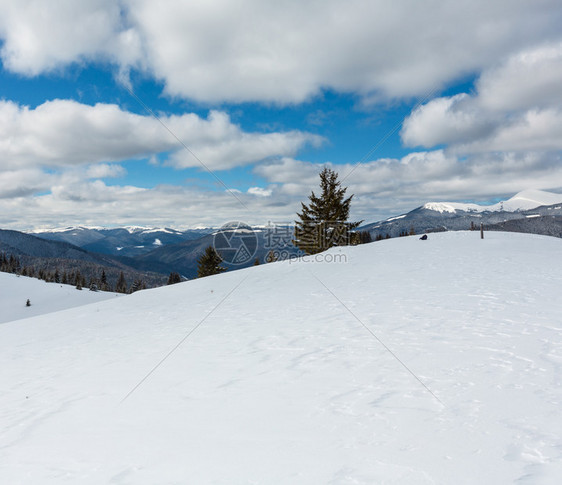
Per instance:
x=410, y=102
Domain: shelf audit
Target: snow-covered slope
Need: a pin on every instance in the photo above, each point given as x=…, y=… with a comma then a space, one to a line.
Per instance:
x=44, y=297
x=525, y=200
x=405, y=362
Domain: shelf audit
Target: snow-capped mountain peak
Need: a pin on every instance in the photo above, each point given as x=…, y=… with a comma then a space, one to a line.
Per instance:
x=525, y=200
x=531, y=199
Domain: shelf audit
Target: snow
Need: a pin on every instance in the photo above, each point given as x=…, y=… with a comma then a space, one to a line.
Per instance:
x=39, y=230
x=525, y=200
x=396, y=218
x=444, y=206
x=276, y=374
x=135, y=229
x=44, y=297
x=157, y=242
x=164, y=230
x=531, y=199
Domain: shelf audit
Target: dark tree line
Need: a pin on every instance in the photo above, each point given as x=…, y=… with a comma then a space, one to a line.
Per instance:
x=12, y=264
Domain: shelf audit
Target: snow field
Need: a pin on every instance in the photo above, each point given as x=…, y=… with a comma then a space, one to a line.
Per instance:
x=268, y=375
x=44, y=297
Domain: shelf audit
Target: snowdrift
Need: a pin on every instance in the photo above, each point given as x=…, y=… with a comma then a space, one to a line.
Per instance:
x=401, y=361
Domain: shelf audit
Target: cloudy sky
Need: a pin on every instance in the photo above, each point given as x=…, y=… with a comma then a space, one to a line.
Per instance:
x=193, y=113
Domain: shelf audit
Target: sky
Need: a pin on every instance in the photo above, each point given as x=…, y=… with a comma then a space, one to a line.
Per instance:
x=196, y=113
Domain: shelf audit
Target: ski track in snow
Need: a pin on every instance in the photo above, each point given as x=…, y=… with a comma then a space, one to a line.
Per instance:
x=281, y=384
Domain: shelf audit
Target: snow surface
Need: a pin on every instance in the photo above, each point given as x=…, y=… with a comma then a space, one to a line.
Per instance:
x=44, y=297
x=525, y=200
x=396, y=218
x=276, y=374
x=41, y=229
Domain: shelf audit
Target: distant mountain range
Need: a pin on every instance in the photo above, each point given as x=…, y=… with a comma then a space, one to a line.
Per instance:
x=122, y=241
x=148, y=251
x=51, y=255
x=164, y=250
x=535, y=211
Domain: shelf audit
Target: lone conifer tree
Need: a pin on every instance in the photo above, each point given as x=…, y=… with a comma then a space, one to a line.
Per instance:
x=324, y=222
x=209, y=263
x=121, y=286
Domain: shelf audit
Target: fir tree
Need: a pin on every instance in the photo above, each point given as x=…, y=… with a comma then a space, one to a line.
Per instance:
x=209, y=263
x=324, y=221
x=121, y=286
x=137, y=285
x=77, y=280
x=361, y=237
x=174, y=278
x=93, y=284
x=103, y=281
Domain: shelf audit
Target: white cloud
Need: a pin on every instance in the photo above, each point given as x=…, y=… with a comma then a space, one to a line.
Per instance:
x=534, y=130
x=529, y=78
x=445, y=120
x=44, y=36
x=381, y=188
x=222, y=145
x=63, y=133
x=260, y=191
x=104, y=170
x=504, y=137
x=387, y=187
x=517, y=107
x=22, y=183
x=277, y=51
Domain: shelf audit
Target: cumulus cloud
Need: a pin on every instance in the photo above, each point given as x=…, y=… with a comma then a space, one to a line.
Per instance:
x=63, y=133
x=445, y=120
x=381, y=188
x=517, y=107
x=55, y=157
x=389, y=186
x=529, y=78
x=503, y=137
x=105, y=170
x=22, y=183
x=260, y=191
x=280, y=52
x=90, y=202
x=45, y=36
